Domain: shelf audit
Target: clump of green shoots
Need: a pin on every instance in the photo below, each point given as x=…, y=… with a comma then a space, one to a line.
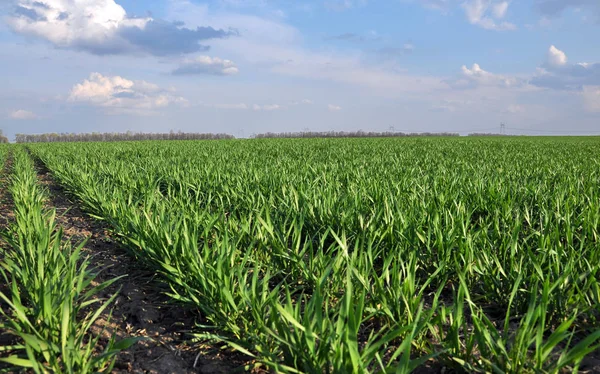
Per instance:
x=51, y=301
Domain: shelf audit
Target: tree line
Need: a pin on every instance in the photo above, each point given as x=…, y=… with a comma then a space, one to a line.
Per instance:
x=114, y=137
x=347, y=134
x=131, y=136
x=486, y=134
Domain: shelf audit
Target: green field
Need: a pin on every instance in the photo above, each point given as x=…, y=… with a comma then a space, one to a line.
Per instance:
x=338, y=255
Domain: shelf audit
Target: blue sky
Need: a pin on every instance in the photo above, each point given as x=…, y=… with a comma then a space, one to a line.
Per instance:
x=251, y=66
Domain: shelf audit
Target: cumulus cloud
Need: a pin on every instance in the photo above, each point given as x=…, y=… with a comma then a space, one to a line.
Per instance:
x=558, y=74
x=334, y=108
x=476, y=76
x=22, y=114
x=486, y=14
x=206, y=65
x=568, y=77
x=163, y=38
x=556, y=57
x=103, y=27
x=123, y=96
x=582, y=78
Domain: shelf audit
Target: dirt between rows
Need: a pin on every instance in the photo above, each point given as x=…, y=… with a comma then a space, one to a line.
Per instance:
x=141, y=308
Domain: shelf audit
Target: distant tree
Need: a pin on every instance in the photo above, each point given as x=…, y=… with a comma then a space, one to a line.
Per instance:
x=115, y=137
x=344, y=134
x=3, y=139
x=486, y=134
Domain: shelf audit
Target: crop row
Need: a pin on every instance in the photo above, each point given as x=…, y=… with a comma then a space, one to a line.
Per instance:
x=364, y=255
x=49, y=300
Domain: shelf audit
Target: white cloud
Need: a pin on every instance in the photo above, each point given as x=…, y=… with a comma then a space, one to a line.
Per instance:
x=591, y=98
x=266, y=107
x=581, y=79
x=476, y=76
x=22, y=114
x=556, y=57
x=500, y=9
x=103, y=27
x=334, y=108
x=206, y=65
x=558, y=73
x=275, y=47
x=273, y=50
x=483, y=12
x=252, y=27
x=119, y=95
x=303, y=102
x=271, y=107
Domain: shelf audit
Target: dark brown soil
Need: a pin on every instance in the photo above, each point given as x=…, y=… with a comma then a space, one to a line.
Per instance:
x=141, y=308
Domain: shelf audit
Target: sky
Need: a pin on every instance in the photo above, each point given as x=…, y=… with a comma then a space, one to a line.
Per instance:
x=252, y=66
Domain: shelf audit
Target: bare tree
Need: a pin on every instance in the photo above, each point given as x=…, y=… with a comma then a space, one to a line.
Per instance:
x=115, y=137
x=345, y=134
x=486, y=134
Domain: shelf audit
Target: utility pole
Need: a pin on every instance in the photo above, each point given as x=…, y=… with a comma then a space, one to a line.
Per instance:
x=392, y=129
x=502, y=128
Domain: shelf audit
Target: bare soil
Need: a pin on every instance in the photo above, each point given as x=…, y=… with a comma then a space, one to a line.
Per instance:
x=141, y=308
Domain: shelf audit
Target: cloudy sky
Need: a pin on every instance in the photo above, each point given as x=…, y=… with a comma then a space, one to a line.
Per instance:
x=251, y=66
